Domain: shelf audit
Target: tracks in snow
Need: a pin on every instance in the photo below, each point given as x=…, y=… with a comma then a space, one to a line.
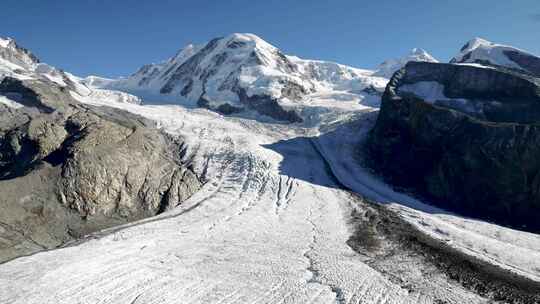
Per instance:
x=285, y=191
x=313, y=274
x=225, y=244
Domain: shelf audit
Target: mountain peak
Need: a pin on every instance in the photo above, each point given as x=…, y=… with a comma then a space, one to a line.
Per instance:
x=475, y=43
x=15, y=54
x=419, y=54
x=185, y=53
x=418, y=51
x=482, y=51
x=4, y=42
x=241, y=71
x=389, y=67
x=244, y=37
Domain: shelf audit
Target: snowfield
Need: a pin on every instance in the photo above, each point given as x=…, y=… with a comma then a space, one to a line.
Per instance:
x=270, y=225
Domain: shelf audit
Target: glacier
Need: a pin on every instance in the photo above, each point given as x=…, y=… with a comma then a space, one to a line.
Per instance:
x=275, y=218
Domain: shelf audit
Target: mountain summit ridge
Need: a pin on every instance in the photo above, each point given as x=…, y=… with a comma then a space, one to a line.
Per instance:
x=485, y=52
x=240, y=72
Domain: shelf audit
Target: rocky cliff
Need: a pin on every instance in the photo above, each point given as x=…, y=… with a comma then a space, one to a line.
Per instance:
x=466, y=137
x=67, y=169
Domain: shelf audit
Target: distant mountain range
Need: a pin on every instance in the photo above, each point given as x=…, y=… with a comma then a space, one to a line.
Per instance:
x=243, y=72
x=275, y=178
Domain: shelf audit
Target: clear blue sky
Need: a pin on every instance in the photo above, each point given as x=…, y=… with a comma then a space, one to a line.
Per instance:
x=115, y=37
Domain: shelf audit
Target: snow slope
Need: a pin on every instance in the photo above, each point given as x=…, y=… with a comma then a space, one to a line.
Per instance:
x=232, y=69
x=18, y=62
x=514, y=251
x=270, y=226
x=389, y=67
x=482, y=51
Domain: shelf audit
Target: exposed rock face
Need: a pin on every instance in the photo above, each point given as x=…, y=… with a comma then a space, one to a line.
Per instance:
x=43, y=96
x=525, y=61
x=67, y=169
x=465, y=137
x=269, y=106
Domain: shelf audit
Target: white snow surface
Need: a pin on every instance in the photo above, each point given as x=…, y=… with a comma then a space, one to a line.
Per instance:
x=150, y=77
x=10, y=51
x=479, y=49
x=238, y=61
x=512, y=250
x=27, y=69
x=433, y=92
x=270, y=224
x=389, y=67
x=429, y=91
x=4, y=42
x=10, y=102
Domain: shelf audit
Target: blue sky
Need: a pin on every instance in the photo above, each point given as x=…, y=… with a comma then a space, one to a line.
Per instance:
x=114, y=38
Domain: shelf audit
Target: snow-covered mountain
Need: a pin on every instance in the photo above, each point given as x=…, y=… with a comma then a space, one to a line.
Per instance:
x=285, y=213
x=389, y=67
x=481, y=51
x=229, y=74
x=241, y=71
x=12, y=56
x=20, y=63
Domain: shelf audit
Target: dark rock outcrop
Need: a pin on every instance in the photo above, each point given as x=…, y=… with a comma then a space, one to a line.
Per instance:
x=67, y=169
x=268, y=106
x=525, y=61
x=481, y=163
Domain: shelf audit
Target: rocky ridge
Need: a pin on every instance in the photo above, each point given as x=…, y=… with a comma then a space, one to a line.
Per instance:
x=68, y=169
x=466, y=137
